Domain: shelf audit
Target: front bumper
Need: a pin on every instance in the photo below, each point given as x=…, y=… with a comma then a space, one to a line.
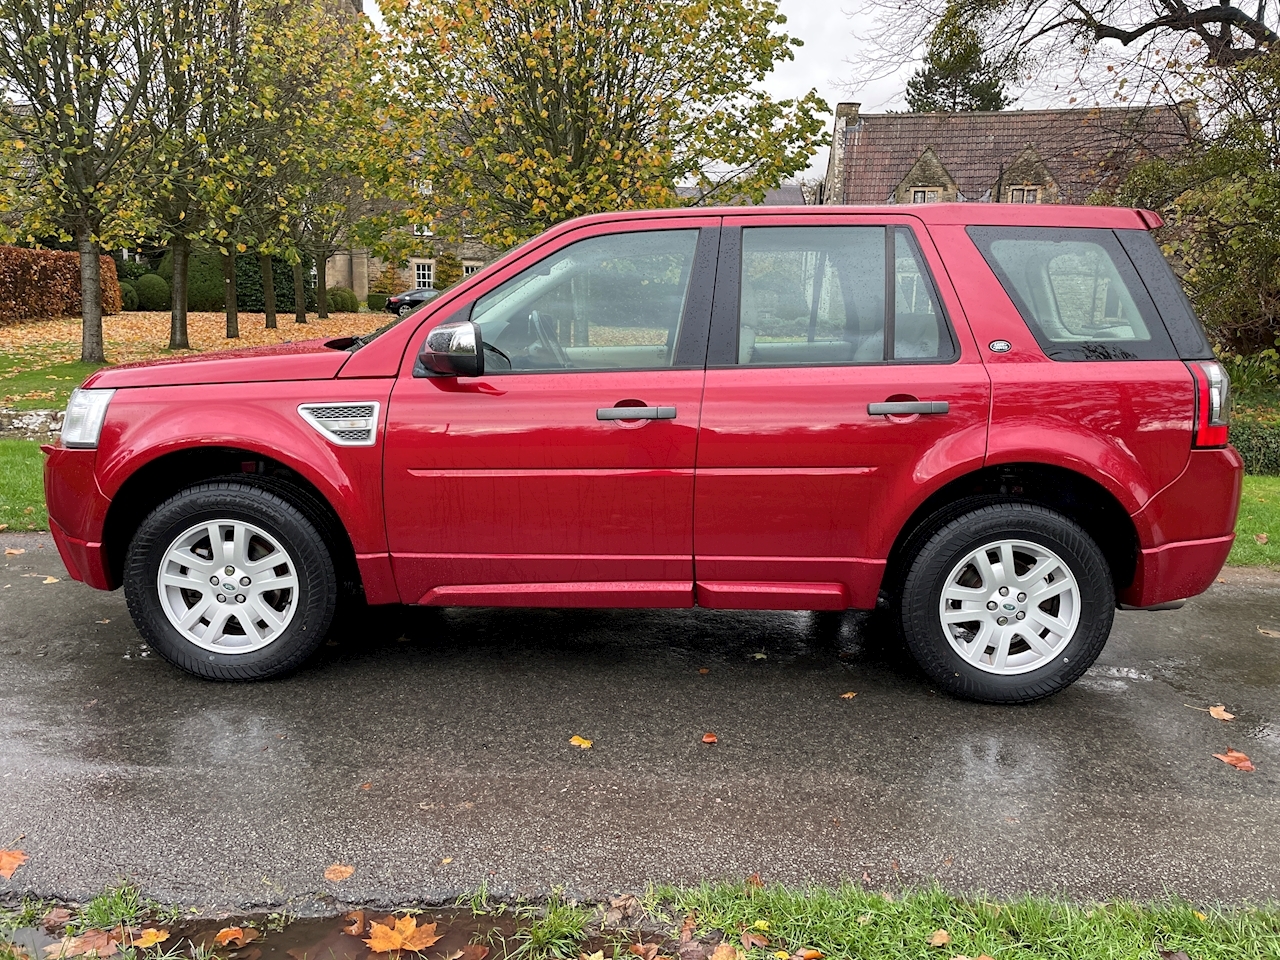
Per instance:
x=77, y=514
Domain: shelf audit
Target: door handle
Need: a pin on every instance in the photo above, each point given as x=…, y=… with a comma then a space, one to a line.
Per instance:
x=636, y=413
x=907, y=407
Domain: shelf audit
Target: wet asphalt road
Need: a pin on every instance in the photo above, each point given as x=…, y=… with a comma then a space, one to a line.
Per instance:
x=432, y=754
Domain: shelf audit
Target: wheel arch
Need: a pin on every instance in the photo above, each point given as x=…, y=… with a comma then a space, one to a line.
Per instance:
x=160, y=478
x=1074, y=495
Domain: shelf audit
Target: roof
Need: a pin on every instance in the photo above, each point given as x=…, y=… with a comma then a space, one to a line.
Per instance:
x=1082, y=149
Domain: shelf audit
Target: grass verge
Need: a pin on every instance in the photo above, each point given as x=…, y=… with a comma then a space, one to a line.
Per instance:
x=41, y=387
x=1258, y=526
x=22, y=485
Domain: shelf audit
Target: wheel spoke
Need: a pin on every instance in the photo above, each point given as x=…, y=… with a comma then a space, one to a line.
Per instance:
x=261, y=610
x=985, y=570
x=1008, y=572
x=1040, y=646
x=964, y=616
x=184, y=557
x=184, y=581
x=217, y=546
x=287, y=582
x=1042, y=568
x=1000, y=659
x=954, y=591
x=238, y=555
x=1050, y=590
x=978, y=646
x=1054, y=624
x=217, y=623
x=195, y=612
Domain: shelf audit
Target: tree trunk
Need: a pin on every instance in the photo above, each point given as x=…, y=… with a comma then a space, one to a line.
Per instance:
x=181, y=248
x=299, y=295
x=229, y=288
x=322, y=286
x=90, y=298
x=268, y=289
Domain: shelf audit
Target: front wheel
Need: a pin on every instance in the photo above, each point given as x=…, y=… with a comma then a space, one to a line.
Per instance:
x=1008, y=603
x=230, y=582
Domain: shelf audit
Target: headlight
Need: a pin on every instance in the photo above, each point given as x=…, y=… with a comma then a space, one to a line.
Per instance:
x=83, y=420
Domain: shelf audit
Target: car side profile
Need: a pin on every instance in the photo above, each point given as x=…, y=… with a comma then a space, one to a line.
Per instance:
x=1003, y=422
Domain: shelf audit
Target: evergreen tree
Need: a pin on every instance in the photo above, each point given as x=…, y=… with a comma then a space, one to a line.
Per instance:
x=956, y=76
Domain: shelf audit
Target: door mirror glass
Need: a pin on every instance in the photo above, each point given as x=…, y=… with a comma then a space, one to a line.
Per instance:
x=453, y=350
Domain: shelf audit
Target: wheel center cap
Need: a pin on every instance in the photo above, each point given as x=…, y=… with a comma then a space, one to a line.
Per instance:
x=1010, y=606
x=230, y=588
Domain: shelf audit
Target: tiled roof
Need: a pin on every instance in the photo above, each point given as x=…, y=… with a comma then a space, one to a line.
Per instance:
x=1082, y=149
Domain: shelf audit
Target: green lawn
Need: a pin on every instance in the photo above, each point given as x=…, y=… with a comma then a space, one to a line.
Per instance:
x=22, y=485
x=22, y=504
x=29, y=386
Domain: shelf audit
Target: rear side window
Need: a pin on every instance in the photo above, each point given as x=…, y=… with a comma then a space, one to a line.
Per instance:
x=1078, y=292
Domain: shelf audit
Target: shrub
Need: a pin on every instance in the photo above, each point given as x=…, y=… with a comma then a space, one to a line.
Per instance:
x=131, y=270
x=128, y=296
x=251, y=298
x=36, y=284
x=376, y=301
x=343, y=300
x=205, y=289
x=153, y=292
x=448, y=270
x=1259, y=444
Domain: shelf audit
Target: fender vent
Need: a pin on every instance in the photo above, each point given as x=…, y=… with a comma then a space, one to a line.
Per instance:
x=346, y=424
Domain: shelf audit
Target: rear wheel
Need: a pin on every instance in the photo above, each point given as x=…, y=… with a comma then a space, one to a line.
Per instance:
x=1007, y=603
x=230, y=582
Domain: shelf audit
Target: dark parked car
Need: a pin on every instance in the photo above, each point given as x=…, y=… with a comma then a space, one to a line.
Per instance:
x=1001, y=422
x=403, y=304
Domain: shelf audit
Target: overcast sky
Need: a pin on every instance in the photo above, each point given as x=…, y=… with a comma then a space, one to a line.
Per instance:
x=823, y=63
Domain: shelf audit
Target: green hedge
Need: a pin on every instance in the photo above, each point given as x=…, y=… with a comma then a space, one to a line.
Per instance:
x=1259, y=444
x=342, y=300
x=153, y=292
x=249, y=295
x=128, y=296
x=376, y=301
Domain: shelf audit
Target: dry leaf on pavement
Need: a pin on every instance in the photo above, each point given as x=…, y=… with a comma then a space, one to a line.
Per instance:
x=848, y=696
x=14, y=551
x=337, y=872
x=1220, y=713
x=49, y=580
x=11, y=860
x=582, y=742
x=98, y=943
x=150, y=937
x=56, y=919
x=1269, y=633
x=235, y=936
x=940, y=938
x=472, y=951
x=1236, y=759
x=355, y=923
x=404, y=935
x=710, y=738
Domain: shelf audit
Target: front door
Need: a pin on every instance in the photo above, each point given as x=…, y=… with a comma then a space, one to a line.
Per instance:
x=842, y=387
x=564, y=475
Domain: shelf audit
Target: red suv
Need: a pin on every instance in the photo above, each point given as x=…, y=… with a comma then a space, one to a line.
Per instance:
x=1004, y=420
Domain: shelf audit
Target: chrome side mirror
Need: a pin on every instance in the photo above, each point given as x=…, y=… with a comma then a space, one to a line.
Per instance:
x=454, y=350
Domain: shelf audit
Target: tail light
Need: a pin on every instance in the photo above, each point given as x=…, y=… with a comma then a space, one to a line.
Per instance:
x=1213, y=403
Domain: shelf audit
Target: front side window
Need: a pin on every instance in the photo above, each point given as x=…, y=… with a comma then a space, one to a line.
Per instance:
x=609, y=302
x=1077, y=290
x=817, y=295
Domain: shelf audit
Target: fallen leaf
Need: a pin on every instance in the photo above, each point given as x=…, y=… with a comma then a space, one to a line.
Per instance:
x=582, y=742
x=1202, y=917
x=704, y=670
x=472, y=951
x=55, y=919
x=11, y=860
x=337, y=872
x=750, y=940
x=759, y=656
x=446, y=861
x=49, y=580
x=645, y=951
x=1269, y=633
x=710, y=738
x=107, y=620
x=621, y=910
x=355, y=923
x=940, y=938
x=782, y=955
x=759, y=924
x=1173, y=954
x=405, y=935
x=1236, y=759
x=1260, y=537
x=1220, y=713
x=3, y=527
x=807, y=954
x=366, y=786
x=848, y=696
x=150, y=937
x=756, y=883
x=725, y=951
x=598, y=955
x=97, y=943
x=865, y=919
x=14, y=551
x=236, y=936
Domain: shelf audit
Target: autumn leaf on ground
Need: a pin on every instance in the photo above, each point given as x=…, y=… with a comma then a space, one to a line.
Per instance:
x=582, y=742
x=355, y=924
x=49, y=580
x=1260, y=537
x=236, y=936
x=645, y=951
x=848, y=696
x=56, y=919
x=11, y=860
x=1269, y=633
x=405, y=935
x=807, y=954
x=598, y=955
x=750, y=939
x=710, y=738
x=1236, y=759
x=726, y=951
x=98, y=943
x=1220, y=713
x=337, y=872
x=150, y=937
x=704, y=670
x=1173, y=955
x=940, y=938
x=472, y=951
x=14, y=551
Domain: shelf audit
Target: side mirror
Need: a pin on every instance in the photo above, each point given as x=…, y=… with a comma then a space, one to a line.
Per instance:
x=454, y=350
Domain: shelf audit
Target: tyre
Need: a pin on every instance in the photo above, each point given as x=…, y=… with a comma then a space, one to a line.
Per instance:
x=1007, y=603
x=230, y=581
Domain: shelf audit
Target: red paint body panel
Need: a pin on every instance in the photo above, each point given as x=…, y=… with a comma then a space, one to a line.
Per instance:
x=580, y=594
x=1201, y=503
x=308, y=360
x=772, y=596
x=1176, y=571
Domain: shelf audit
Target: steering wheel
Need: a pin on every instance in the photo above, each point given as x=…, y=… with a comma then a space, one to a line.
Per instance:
x=551, y=343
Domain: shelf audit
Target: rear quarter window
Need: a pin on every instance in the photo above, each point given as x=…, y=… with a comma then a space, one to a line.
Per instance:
x=1078, y=292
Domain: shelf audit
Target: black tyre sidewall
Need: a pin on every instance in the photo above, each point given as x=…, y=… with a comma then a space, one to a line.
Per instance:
x=317, y=583
x=936, y=558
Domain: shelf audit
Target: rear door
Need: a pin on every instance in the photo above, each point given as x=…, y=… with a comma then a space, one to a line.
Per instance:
x=533, y=485
x=842, y=388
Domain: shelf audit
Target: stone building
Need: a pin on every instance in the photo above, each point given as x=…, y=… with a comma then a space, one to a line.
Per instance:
x=357, y=268
x=1008, y=156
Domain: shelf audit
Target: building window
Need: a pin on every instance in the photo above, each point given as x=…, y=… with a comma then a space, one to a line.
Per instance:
x=924, y=196
x=424, y=274
x=469, y=268
x=1024, y=195
x=422, y=230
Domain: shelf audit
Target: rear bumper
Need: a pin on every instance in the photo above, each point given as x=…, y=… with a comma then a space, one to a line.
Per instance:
x=1175, y=571
x=77, y=514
